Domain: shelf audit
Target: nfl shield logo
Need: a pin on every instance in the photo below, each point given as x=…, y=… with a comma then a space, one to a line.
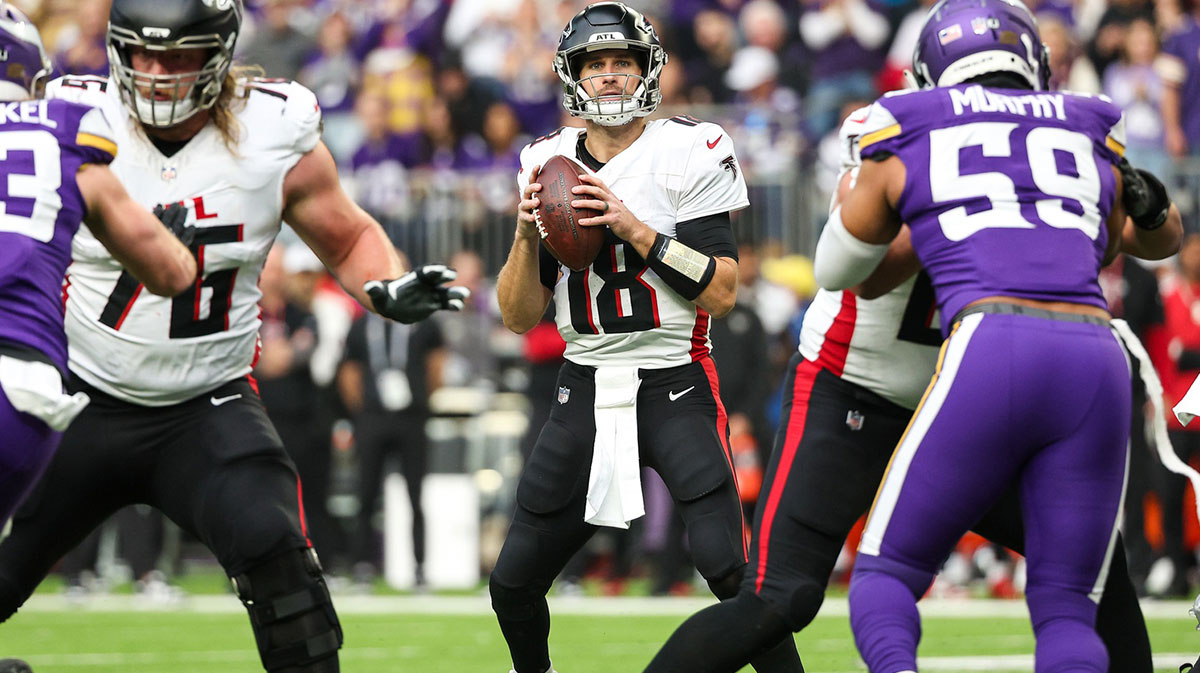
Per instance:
x=854, y=420
x=564, y=394
x=169, y=173
x=981, y=24
x=949, y=34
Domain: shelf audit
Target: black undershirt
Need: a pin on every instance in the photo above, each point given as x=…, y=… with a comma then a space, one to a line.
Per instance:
x=585, y=156
x=169, y=148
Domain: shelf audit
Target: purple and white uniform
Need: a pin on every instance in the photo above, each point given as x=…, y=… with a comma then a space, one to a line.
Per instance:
x=1007, y=194
x=43, y=144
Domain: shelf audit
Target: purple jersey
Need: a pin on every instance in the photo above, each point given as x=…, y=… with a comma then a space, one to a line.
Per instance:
x=43, y=144
x=1001, y=180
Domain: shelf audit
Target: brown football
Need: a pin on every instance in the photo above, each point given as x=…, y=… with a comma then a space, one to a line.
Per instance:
x=558, y=223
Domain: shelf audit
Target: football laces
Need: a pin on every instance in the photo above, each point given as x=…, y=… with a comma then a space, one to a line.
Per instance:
x=537, y=221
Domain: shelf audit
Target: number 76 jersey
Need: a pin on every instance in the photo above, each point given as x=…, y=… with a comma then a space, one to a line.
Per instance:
x=1007, y=192
x=156, y=351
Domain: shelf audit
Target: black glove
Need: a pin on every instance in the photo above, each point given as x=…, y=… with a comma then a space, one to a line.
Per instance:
x=417, y=294
x=174, y=217
x=1144, y=196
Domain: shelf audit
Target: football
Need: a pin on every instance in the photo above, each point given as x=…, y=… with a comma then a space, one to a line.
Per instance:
x=558, y=223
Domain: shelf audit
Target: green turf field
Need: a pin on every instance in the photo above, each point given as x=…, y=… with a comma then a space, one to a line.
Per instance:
x=458, y=635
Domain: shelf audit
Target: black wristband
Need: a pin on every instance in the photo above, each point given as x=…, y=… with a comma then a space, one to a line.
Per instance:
x=1145, y=197
x=683, y=269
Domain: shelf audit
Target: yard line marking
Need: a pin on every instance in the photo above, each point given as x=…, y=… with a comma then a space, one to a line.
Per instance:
x=572, y=605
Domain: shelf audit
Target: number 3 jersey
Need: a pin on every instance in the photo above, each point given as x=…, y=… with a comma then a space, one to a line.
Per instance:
x=1007, y=191
x=157, y=351
x=43, y=144
x=618, y=311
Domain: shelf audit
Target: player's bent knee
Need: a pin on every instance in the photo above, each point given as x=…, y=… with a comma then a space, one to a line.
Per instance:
x=803, y=602
x=291, y=612
x=515, y=603
x=727, y=587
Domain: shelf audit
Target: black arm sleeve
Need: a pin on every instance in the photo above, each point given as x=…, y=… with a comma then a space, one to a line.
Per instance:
x=711, y=235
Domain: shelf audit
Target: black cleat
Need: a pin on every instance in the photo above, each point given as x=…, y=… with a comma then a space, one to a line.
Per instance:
x=14, y=666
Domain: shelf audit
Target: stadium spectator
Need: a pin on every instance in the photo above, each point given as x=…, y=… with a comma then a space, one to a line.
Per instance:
x=716, y=39
x=403, y=76
x=846, y=39
x=282, y=39
x=1134, y=84
x=1180, y=71
x=378, y=175
x=1070, y=69
x=533, y=92
x=333, y=73
x=1112, y=32
x=80, y=49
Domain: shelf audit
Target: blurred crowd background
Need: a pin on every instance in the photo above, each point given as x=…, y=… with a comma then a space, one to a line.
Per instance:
x=409, y=440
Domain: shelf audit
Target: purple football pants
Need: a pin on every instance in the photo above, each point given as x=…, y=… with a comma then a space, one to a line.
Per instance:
x=26, y=446
x=1043, y=403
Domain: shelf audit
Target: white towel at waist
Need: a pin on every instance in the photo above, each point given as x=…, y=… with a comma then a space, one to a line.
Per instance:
x=614, y=496
x=37, y=388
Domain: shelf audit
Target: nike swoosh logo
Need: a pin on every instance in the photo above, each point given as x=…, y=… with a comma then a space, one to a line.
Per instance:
x=218, y=401
x=712, y=144
x=676, y=395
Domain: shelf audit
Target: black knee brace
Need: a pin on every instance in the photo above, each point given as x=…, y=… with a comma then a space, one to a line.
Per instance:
x=290, y=610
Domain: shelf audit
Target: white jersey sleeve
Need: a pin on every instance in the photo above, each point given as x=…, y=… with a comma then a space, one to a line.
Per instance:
x=712, y=179
x=299, y=113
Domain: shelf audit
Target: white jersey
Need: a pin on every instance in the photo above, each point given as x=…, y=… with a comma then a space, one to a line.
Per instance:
x=887, y=345
x=157, y=351
x=619, y=312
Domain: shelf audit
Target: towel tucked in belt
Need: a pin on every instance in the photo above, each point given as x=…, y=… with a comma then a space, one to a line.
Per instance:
x=614, y=496
x=36, y=388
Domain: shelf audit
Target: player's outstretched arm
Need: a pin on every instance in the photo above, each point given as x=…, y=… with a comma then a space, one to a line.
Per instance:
x=134, y=236
x=356, y=249
x=519, y=290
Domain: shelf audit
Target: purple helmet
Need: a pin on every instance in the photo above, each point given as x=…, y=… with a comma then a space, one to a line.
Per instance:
x=962, y=39
x=26, y=66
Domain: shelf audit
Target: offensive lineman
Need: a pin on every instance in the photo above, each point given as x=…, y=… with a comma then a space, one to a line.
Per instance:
x=175, y=421
x=862, y=365
x=1014, y=199
x=639, y=386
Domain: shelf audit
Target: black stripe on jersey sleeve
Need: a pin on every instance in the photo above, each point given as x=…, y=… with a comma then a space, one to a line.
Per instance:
x=711, y=235
x=547, y=267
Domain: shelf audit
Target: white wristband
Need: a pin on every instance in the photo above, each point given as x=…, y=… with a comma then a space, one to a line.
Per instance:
x=842, y=259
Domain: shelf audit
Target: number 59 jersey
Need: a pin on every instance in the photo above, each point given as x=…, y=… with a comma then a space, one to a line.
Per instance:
x=157, y=351
x=1007, y=192
x=618, y=311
